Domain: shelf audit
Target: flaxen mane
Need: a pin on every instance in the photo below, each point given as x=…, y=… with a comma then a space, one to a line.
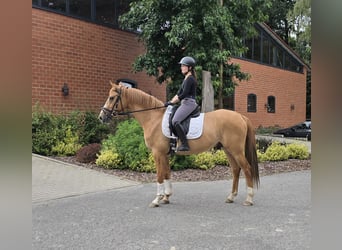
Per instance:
x=141, y=98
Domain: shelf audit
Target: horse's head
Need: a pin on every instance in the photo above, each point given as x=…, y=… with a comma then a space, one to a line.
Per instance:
x=113, y=103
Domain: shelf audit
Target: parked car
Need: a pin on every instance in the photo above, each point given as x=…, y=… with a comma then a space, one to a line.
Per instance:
x=299, y=130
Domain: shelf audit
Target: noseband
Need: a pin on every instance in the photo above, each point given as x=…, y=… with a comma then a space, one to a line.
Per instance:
x=109, y=113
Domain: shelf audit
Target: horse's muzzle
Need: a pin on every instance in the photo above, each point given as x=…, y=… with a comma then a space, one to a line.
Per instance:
x=104, y=116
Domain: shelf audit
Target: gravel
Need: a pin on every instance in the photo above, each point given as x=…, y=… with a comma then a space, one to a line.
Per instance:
x=216, y=173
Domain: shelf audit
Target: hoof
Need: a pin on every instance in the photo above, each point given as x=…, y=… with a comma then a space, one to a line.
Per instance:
x=248, y=203
x=152, y=205
x=165, y=199
x=229, y=200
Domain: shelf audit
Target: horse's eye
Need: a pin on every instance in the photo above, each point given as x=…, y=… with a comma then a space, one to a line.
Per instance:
x=111, y=98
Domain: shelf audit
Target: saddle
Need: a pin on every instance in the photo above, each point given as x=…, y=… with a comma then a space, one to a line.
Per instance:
x=186, y=122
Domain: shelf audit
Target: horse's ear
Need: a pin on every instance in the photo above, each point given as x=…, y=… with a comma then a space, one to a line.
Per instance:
x=111, y=83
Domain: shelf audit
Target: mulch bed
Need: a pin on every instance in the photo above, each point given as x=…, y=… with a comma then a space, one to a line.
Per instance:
x=216, y=173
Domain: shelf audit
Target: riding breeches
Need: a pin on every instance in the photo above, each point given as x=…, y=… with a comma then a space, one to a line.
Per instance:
x=185, y=109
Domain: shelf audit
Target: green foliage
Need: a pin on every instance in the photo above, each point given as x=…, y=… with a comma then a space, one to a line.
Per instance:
x=276, y=152
x=129, y=143
x=280, y=152
x=179, y=162
x=297, y=151
x=88, y=126
x=204, y=29
x=55, y=134
x=109, y=159
x=46, y=131
x=204, y=160
x=68, y=145
x=220, y=158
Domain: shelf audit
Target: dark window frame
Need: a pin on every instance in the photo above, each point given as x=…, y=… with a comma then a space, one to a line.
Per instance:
x=251, y=103
x=92, y=18
x=282, y=59
x=271, y=104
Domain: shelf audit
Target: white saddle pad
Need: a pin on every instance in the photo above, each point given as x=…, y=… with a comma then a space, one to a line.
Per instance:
x=195, y=127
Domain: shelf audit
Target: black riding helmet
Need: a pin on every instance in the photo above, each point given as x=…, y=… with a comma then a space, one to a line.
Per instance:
x=188, y=61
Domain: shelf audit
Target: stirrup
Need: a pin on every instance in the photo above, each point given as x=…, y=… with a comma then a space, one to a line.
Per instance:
x=183, y=148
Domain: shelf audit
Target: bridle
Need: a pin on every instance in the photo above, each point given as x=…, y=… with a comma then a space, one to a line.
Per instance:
x=109, y=113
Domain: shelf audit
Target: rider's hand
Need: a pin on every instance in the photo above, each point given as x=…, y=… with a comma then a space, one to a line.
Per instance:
x=167, y=104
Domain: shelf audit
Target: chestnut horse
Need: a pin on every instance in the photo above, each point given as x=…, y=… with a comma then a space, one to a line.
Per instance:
x=233, y=130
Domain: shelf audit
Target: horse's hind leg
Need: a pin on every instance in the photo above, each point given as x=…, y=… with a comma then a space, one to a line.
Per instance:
x=243, y=163
x=236, y=175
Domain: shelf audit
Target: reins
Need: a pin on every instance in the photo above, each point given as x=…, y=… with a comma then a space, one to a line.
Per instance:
x=110, y=113
x=140, y=110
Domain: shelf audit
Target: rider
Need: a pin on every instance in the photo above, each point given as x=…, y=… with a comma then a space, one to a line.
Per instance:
x=186, y=95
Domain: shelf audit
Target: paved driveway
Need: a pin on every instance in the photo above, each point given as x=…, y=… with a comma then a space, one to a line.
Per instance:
x=197, y=218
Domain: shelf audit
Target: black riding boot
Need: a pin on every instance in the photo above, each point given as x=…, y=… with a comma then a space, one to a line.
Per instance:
x=182, y=137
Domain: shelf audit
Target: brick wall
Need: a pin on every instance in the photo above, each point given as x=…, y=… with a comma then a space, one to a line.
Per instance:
x=85, y=56
x=287, y=87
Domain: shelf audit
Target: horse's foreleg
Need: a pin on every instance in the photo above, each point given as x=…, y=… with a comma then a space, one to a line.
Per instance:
x=168, y=191
x=164, y=187
x=236, y=175
x=160, y=195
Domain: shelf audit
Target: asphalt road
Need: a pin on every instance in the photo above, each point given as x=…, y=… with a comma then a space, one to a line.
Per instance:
x=196, y=218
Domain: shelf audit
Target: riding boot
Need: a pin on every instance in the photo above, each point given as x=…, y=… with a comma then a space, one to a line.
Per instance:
x=182, y=137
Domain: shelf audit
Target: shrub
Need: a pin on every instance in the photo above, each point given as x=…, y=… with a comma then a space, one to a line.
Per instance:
x=276, y=152
x=109, y=159
x=297, y=151
x=220, y=158
x=88, y=126
x=204, y=160
x=46, y=131
x=128, y=141
x=179, y=162
x=88, y=153
x=68, y=145
x=263, y=144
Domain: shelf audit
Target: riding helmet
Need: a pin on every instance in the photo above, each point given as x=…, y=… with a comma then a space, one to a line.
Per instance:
x=188, y=61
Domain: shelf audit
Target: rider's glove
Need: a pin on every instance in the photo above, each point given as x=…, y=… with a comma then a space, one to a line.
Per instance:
x=167, y=104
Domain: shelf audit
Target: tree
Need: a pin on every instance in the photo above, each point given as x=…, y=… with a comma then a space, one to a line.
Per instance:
x=278, y=20
x=300, y=17
x=209, y=30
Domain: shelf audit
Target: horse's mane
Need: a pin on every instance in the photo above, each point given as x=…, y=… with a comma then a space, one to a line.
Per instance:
x=140, y=97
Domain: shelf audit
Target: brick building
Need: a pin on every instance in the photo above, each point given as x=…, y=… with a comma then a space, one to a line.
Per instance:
x=84, y=56
x=78, y=50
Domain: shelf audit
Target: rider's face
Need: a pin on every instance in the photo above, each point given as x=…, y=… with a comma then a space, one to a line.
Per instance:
x=184, y=69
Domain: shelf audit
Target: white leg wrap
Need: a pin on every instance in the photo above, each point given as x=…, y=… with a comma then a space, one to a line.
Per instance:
x=250, y=191
x=160, y=188
x=168, y=187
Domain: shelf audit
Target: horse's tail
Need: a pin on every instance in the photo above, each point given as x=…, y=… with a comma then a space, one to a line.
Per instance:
x=251, y=152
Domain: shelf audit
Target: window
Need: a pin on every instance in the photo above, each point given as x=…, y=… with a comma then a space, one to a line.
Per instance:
x=80, y=8
x=109, y=11
x=265, y=51
x=251, y=103
x=58, y=5
x=270, y=104
x=104, y=12
x=257, y=48
x=263, y=48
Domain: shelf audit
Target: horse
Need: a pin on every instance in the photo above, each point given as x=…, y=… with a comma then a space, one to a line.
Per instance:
x=231, y=129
